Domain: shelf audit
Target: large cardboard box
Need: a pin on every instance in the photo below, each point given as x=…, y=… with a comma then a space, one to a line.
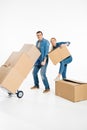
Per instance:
x=31, y=51
x=20, y=62
x=71, y=90
x=17, y=66
x=10, y=79
x=23, y=60
x=59, y=54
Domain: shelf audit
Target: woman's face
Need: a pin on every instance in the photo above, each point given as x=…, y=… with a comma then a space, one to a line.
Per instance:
x=53, y=42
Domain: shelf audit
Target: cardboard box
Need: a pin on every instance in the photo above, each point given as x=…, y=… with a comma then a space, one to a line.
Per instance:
x=71, y=90
x=59, y=54
x=24, y=60
x=31, y=51
x=20, y=62
x=17, y=67
x=10, y=79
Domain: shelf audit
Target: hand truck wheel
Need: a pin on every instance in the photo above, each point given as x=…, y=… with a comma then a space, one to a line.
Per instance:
x=20, y=94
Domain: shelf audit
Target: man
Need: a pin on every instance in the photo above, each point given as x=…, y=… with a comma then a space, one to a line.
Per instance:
x=42, y=62
x=63, y=63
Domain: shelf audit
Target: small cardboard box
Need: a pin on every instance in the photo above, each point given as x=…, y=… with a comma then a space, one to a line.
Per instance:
x=72, y=90
x=59, y=54
x=10, y=79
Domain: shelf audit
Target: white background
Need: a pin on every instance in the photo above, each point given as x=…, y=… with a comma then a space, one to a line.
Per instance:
x=65, y=20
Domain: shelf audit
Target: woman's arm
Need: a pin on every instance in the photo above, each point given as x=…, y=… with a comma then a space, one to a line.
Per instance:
x=64, y=44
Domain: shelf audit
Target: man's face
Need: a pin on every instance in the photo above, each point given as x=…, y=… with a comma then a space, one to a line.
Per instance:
x=39, y=36
x=53, y=42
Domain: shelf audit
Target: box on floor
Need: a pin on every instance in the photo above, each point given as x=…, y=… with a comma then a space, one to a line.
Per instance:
x=71, y=90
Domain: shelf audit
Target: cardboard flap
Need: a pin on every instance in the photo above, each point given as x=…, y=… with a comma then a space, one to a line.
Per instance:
x=74, y=81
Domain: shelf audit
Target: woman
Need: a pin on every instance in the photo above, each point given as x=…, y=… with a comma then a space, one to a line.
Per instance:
x=63, y=63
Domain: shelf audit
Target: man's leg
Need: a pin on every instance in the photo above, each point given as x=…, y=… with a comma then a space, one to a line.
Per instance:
x=44, y=78
x=35, y=76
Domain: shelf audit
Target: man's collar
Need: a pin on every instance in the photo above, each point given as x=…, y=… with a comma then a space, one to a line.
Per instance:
x=41, y=40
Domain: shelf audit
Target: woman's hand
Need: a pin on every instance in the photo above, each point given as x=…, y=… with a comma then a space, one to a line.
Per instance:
x=63, y=45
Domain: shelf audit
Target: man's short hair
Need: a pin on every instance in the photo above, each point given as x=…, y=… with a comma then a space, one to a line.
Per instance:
x=39, y=32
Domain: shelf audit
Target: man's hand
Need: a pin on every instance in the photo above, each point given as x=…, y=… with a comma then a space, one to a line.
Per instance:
x=43, y=63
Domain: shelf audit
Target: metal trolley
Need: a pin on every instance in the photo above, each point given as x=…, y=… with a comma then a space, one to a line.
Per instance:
x=19, y=93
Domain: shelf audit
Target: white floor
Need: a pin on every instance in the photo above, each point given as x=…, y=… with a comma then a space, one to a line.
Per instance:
x=38, y=111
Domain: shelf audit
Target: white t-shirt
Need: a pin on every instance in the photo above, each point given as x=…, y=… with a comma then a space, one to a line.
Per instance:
x=38, y=45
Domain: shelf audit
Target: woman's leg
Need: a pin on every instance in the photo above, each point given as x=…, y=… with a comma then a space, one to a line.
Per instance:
x=64, y=72
x=63, y=67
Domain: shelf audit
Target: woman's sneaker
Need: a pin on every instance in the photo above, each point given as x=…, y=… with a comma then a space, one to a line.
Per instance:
x=57, y=79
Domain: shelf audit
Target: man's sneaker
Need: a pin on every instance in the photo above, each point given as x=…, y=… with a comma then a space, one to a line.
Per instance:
x=46, y=90
x=35, y=87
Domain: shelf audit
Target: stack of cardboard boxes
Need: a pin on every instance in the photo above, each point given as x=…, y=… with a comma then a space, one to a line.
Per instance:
x=17, y=67
x=68, y=89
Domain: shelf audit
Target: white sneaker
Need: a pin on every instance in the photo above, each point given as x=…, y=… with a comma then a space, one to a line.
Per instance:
x=57, y=79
